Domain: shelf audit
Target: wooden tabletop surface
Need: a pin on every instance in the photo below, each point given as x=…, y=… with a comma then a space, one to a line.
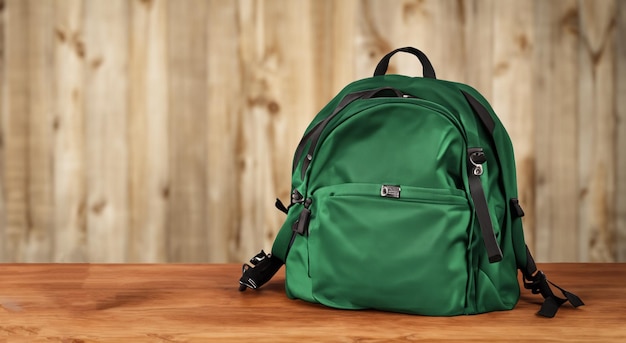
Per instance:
x=80, y=303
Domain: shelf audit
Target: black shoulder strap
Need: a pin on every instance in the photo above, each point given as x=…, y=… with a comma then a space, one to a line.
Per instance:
x=536, y=281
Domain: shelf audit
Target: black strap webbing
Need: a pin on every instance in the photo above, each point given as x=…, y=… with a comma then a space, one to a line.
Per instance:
x=481, y=111
x=484, y=220
x=538, y=283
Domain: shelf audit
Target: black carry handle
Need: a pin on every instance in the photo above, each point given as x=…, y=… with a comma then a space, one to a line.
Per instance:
x=427, y=68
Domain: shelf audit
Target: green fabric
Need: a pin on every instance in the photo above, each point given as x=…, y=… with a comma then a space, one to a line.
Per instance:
x=422, y=252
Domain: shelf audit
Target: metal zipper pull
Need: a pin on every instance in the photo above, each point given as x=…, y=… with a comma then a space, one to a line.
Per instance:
x=477, y=158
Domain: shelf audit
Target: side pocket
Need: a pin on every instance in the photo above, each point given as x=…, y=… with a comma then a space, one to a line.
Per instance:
x=405, y=254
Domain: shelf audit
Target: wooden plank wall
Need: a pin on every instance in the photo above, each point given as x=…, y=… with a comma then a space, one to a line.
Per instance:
x=161, y=131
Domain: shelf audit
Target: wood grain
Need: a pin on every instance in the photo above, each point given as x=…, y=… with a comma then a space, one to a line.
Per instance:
x=148, y=132
x=2, y=127
x=620, y=144
x=106, y=65
x=187, y=236
x=199, y=303
x=597, y=139
x=556, y=131
x=69, y=167
x=15, y=125
x=40, y=57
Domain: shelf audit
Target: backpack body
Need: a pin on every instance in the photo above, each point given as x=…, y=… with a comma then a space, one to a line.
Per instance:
x=404, y=199
x=392, y=224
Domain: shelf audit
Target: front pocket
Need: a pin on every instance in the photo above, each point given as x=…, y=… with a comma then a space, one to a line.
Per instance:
x=405, y=254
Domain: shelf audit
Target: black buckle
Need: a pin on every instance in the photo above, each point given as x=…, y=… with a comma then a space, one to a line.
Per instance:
x=247, y=278
x=263, y=267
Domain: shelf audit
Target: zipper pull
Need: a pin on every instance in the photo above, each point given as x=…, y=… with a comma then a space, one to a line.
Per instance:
x=477, y=158
x=296, y=197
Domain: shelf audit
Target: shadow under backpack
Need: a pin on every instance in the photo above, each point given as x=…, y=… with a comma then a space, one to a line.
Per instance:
x=404, y=199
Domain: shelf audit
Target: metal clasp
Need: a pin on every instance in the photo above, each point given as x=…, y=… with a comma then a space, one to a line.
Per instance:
x=477, y=158
x=389, y=191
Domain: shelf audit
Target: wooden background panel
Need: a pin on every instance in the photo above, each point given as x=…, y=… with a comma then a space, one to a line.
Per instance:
x=187, y=234
x=225, y=101
x=3, y=82
x=159, y=131
x=69, y=163
x=148, y=138
x=40, y=133
x=556, y=131
x=106, y=88
x=597, y=114
x=15, y=113
x=620, y=148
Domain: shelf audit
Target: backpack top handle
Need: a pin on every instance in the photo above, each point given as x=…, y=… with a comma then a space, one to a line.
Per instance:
x=427, y=69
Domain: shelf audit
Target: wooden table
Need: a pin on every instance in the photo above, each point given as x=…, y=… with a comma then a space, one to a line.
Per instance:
x=200, y=303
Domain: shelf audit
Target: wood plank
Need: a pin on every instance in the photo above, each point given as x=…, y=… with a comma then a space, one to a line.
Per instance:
x=199, y=303
x=148, y=132
x=15, y=126
x=620, y=147
x=3, y=85
x=225, y=107
x=106, y=58
x=38, y=241
x=555, y=101
x=596, y=140
x=187, y=234
x=512, y=93
x=69, y=174
x=479, y=46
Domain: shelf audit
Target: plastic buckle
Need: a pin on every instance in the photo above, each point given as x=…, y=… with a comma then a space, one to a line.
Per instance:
x=247, y=280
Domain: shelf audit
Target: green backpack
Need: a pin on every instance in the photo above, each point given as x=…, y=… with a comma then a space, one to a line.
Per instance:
x=404, y=199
